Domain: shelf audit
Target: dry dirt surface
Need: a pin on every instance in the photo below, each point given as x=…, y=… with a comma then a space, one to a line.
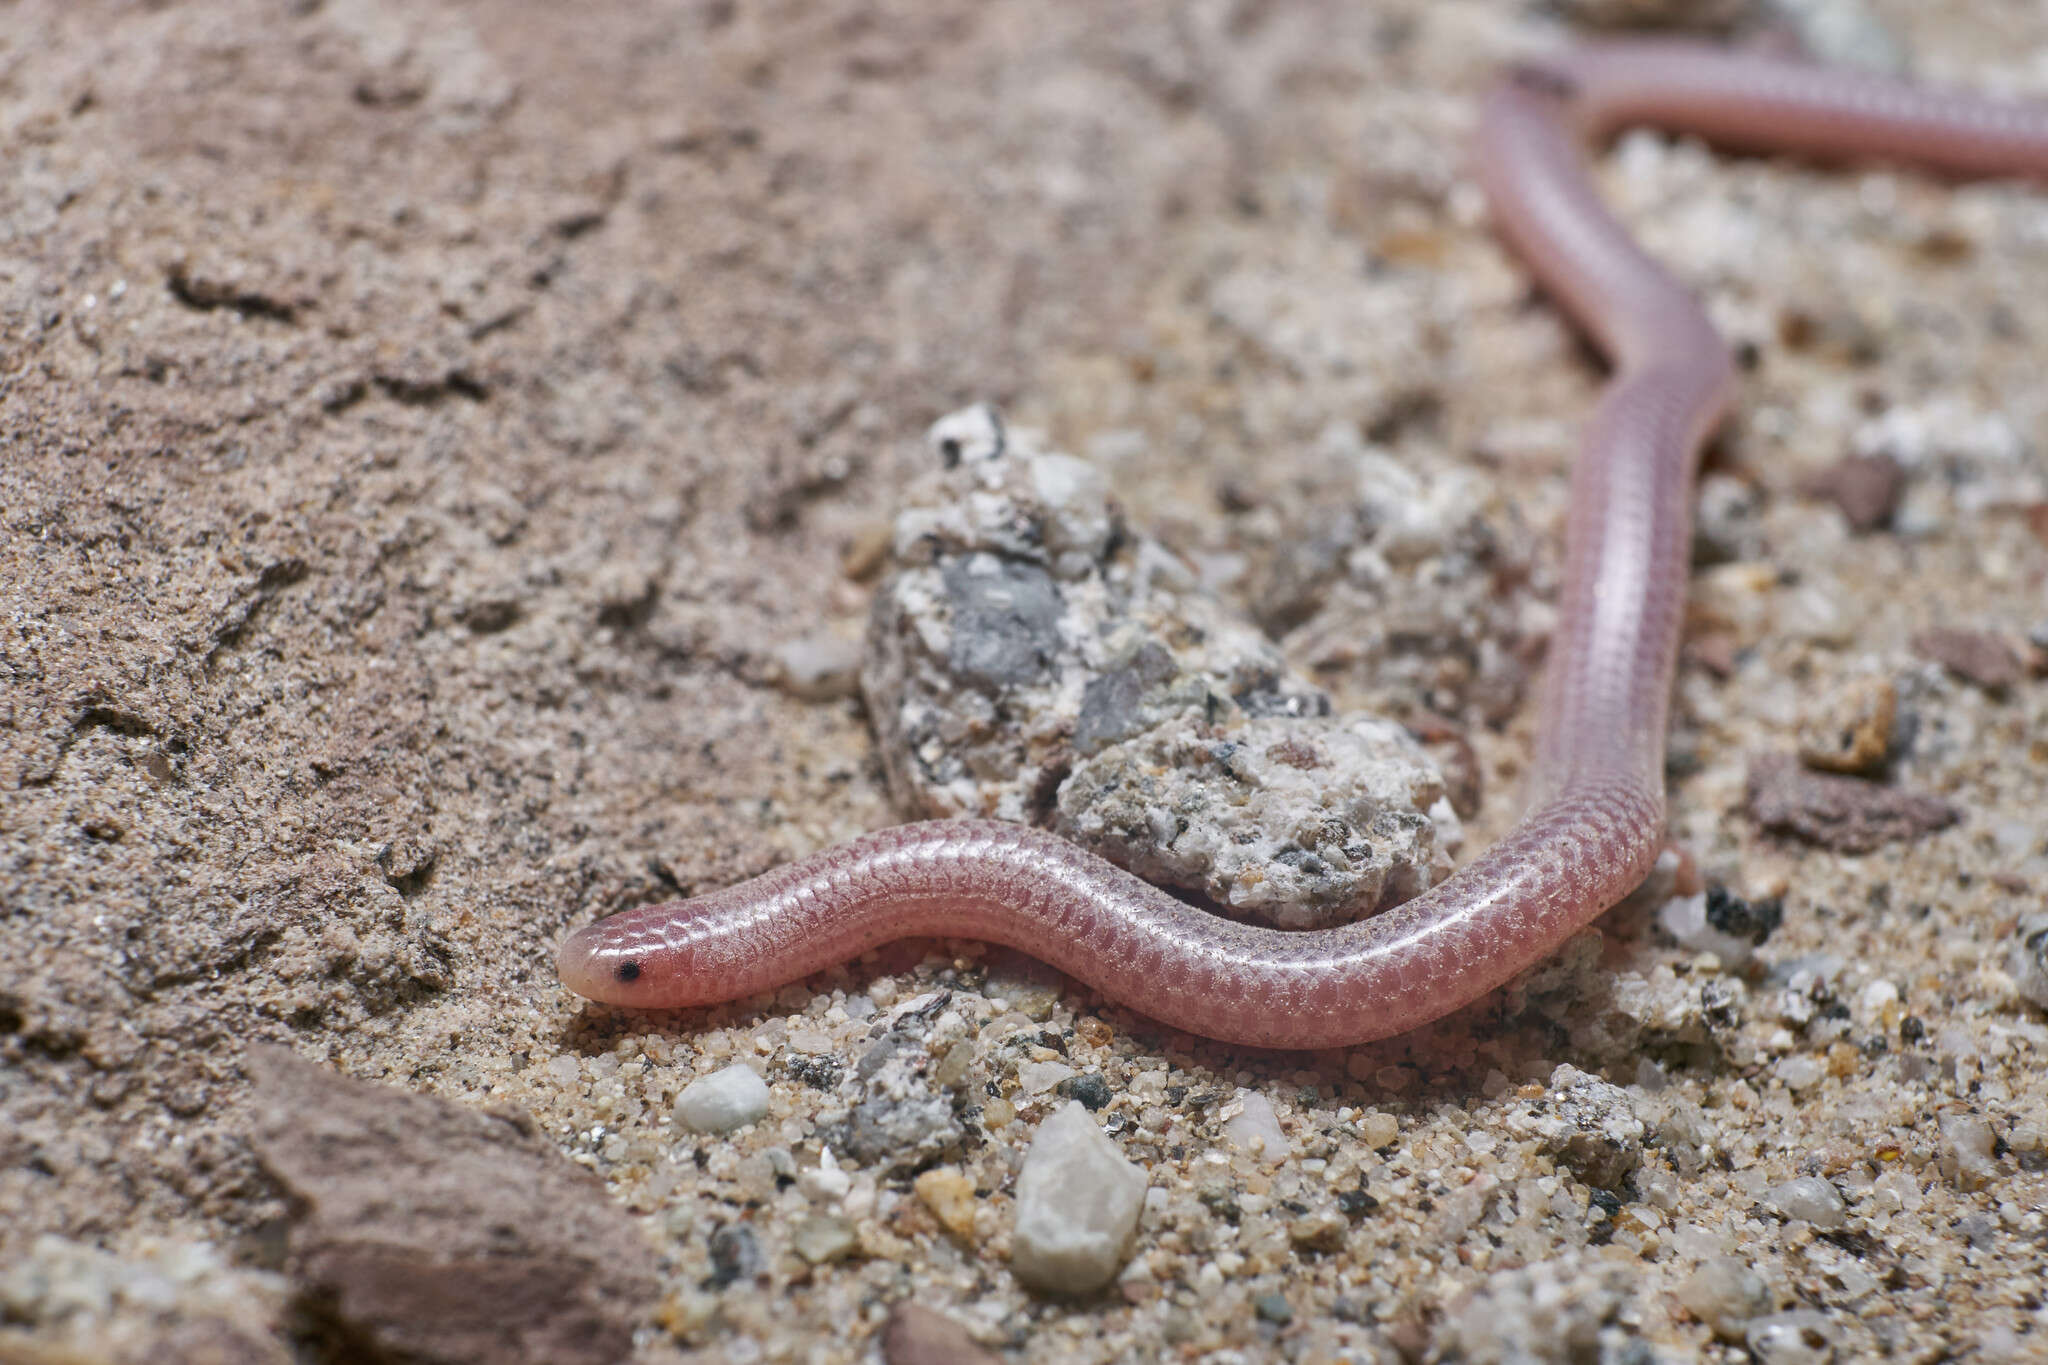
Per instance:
x=430, y=431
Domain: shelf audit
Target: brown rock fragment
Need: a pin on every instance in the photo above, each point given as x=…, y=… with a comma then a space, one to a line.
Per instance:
x=437, y=1232
x=1715, y=651
x=1865, y=487
x=916, y=1335
x=1851, y=730
x=1977, y=656
x=1847, y=814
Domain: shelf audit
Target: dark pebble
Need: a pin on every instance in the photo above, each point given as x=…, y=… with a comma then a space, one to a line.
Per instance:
x=1090, y=1089
x=1356, y=1203
x=1274, y=1308
x=735, y=1255
x=1738, y=918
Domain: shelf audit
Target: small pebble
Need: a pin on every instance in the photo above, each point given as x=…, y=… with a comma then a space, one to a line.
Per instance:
x=953, y=1067
x=1255, y=1128
x=826, y=1181
x=1321, y=1231
x=1725, y=1294
x=1865, y=488
x=950, y=1196
x=684, y=1312
x=1977, y=656
x=723, y=1101
x=1967, y=1143
x=1090, y=1089
x=1812, y=1199
x=1851, y=731
x=1035, y=1078
x=822, y=1237
x=1801, y=1337
x=818, y=667
x=1847, y=814
x=1078, y=1202
x=1588, y=1124
x=2027, y=962
x=1274, y=1308
x=916, y=1335
x=1801, y=1071
x=1685, y=919
x=735, y=1255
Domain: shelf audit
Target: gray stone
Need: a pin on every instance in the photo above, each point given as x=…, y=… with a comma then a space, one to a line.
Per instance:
x=902, y=1129
x=723, y=1100
x=1112, y=705
x=1843, y=33
x=1078, y=1202
x=1005, y=619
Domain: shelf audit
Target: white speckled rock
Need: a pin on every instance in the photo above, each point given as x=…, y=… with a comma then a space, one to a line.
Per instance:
x=1033, y=658
x=723, y=1101
x=1078, y=1202
x=1301, y=821
x=1587, y=1123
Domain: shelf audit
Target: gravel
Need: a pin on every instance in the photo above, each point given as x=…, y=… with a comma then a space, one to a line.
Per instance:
x=724, y=1100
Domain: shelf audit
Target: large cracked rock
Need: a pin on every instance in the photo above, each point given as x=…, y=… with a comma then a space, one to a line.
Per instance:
x=1032, y=658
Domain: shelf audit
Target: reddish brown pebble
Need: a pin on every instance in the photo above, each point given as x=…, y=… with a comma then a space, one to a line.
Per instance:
x=1976, y=656
x=916, y=1335
x=2037, y=521
x=1847, y=814
x=1865, y=487
x=1714, y=651
x=437, y=1232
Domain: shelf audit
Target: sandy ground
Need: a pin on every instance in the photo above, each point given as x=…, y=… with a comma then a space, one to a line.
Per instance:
x=428, y=425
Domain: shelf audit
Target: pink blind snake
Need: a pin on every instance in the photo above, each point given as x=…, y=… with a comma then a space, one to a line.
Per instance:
x=1596, y=818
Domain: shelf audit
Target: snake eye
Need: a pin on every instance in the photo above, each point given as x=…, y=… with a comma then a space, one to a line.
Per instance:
x=628, y=971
